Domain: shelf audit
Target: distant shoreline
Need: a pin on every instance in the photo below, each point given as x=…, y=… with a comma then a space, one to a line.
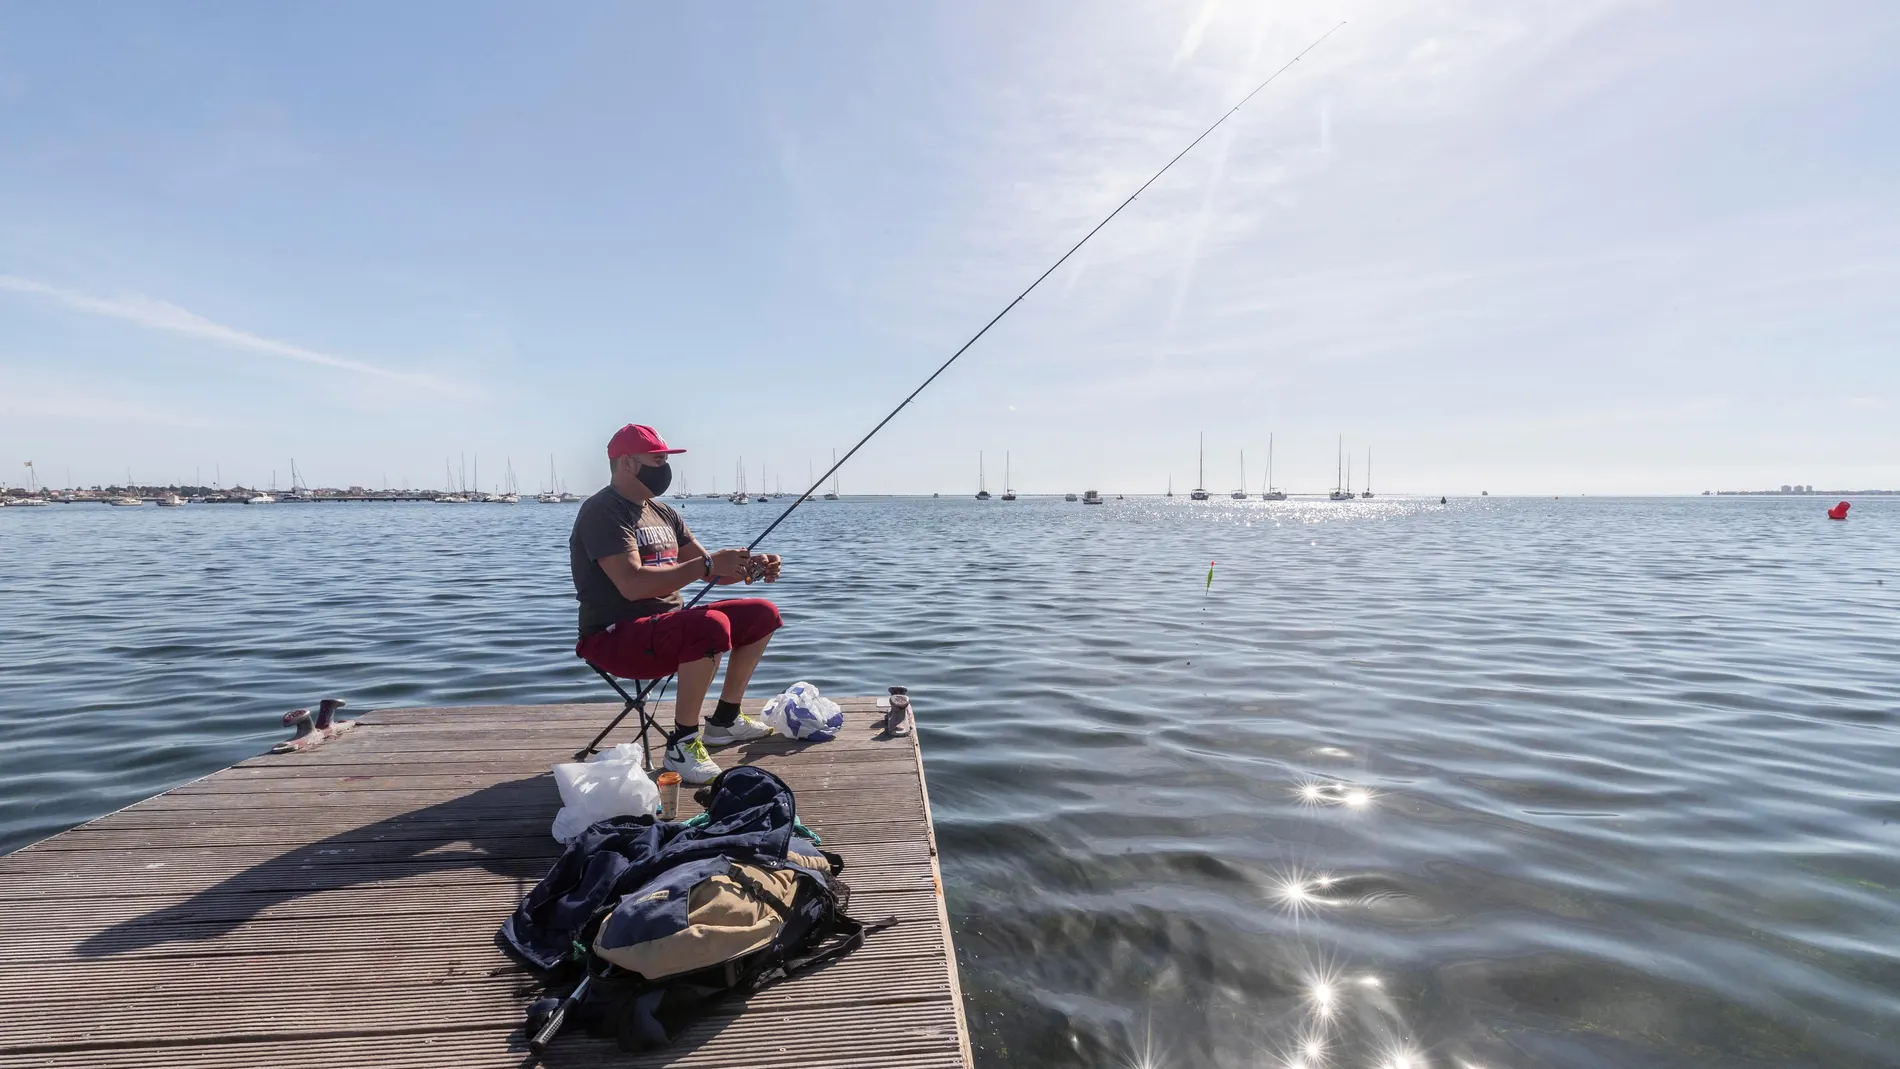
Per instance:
x=238, y=496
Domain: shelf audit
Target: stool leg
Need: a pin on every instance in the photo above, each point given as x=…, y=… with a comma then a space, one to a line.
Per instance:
x=646, y=747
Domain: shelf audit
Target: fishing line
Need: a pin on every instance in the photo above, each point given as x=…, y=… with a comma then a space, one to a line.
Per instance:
x=640, y=698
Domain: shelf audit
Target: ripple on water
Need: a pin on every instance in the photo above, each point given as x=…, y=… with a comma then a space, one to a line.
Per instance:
x=1622, y=769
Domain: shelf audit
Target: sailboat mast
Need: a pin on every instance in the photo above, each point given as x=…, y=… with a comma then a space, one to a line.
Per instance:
x=1269, y=462
x=1202, y=470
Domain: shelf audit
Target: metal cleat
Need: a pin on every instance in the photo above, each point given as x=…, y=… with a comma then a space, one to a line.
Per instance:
x=327, y=724
x=306, y=736
x=313, y=730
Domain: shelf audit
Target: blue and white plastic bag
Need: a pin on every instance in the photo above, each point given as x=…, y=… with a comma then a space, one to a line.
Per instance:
x=803, y=713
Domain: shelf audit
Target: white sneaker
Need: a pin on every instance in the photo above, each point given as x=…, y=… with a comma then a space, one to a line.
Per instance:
x=744, y=729
x=688, y=757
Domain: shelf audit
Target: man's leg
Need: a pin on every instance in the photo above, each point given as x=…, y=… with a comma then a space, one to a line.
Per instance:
x=745, y=659
x=654, y=647
x=705, y=632
x=753, y=621
x=695, y=678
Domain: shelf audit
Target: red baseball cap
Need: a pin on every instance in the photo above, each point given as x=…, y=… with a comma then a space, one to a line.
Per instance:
x=636, y=438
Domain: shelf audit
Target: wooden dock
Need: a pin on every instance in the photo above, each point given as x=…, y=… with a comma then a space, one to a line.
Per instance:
x=338, y=908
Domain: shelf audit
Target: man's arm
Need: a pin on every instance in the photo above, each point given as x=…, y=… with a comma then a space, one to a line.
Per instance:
x=637, y=582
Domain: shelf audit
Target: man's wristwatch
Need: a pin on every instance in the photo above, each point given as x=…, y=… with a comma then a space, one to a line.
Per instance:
x=708, y=559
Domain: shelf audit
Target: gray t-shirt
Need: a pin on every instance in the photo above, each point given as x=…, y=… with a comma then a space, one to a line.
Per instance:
x=610, y=525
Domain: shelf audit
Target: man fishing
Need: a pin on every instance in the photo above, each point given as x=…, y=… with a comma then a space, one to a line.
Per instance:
x=631, y=554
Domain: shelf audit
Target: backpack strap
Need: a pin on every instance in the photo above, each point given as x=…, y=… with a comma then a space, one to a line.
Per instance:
x=753, y=887
x=834, y=948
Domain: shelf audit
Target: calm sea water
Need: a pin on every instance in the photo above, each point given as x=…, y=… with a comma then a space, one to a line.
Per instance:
x=1591, y=783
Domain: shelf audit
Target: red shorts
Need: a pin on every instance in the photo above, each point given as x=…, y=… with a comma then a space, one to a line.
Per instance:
x=653, y=647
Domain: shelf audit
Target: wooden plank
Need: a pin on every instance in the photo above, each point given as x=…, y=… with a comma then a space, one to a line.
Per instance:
x=749, y=1035
x=218, y=860
x=894, y=1037
x=399, y=815
x=528, y=761
x=464, y=931
x=834, y=777
x=505, y=796
x=211, y=926
x=95, y=837
x=318, y=875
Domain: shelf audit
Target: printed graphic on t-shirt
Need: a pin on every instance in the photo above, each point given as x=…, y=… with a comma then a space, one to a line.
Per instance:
x=658, y=544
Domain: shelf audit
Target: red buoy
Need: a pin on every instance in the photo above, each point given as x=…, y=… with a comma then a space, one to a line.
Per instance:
x=1838, y=512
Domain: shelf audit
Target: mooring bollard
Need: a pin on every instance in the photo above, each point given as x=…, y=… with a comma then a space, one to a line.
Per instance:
x=896, y=710
x=312, y=731
x=306, y=732
x=326, y=716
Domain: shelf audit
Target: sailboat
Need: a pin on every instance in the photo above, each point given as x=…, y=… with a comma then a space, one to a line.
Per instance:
x=1170, y=486
x=509, y=495
x=298, y=491
x=832, y=494
x=33, y=489
x=1368, y=490
x=738, y=496
x=566, y=497
x=982, y=490
x=1008, y=494
x=552, y=495
x=1339, y=493
x=1241, y=494
x=1270, y=494
x=130, y=499
x=1199, y=493
x=472, y=488
x=454, y=498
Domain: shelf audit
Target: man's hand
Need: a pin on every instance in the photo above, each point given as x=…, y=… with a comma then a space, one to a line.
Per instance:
x=728, y=566
x=763, y=567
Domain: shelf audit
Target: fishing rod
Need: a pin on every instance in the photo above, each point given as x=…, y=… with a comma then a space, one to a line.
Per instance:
x=639, y=701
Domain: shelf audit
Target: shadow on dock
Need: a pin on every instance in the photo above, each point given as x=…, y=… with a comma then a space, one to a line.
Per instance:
x=500, y=830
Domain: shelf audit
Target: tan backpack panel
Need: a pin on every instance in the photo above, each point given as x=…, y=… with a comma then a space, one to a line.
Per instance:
x=723, y=921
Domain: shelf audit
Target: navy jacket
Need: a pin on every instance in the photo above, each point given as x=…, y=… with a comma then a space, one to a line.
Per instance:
x=751, y=815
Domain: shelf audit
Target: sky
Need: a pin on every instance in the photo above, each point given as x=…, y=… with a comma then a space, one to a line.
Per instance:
x=1523, y=246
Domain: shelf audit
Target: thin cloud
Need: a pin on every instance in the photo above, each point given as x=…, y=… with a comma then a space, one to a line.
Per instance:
x=162, y=315
x=1191, y=41
x=65, y=404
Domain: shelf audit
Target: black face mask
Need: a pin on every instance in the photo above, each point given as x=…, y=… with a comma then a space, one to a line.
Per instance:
x=656, y=478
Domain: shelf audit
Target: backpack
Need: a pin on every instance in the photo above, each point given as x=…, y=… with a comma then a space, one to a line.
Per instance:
x=710, y=912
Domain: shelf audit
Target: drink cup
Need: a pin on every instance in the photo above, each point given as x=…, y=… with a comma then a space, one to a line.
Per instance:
x=669, y=784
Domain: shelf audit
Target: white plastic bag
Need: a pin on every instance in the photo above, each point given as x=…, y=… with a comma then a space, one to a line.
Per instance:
x=802, y=713
x=610, y=784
